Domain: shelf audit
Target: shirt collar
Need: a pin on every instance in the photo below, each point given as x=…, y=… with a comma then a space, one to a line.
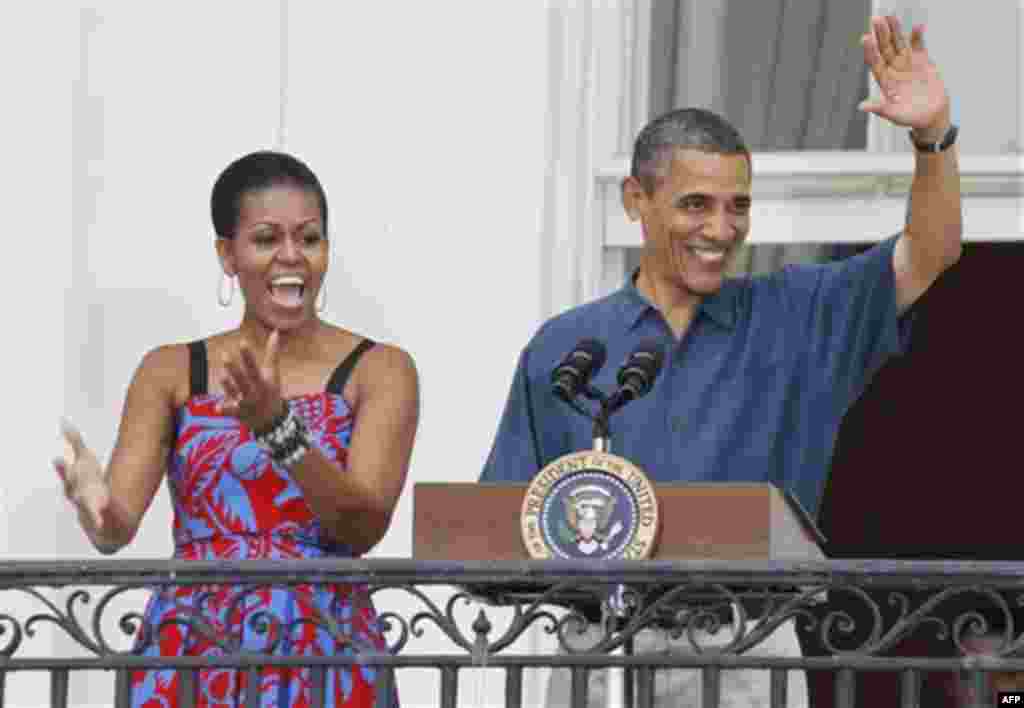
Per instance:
x=720, y=307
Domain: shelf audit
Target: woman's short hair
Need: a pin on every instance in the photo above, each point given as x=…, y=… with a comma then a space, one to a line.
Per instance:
x=252, y=173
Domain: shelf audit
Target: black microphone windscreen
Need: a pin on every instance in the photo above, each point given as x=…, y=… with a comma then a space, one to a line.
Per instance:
x=648, y=356
x=577, y=368
x=595, y=350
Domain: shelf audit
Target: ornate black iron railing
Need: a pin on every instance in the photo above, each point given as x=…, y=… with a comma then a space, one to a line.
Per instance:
x=858, y=611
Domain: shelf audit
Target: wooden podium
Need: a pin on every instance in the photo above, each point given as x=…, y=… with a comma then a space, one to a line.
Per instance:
x=721, y=521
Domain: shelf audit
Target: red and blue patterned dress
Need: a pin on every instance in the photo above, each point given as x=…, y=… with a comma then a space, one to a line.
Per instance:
x=231, y=502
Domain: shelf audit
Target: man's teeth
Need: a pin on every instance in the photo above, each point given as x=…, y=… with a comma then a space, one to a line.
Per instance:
x=708, y=255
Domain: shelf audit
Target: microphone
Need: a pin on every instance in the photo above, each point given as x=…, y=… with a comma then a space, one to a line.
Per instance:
x=637, y=375
x=576, y=369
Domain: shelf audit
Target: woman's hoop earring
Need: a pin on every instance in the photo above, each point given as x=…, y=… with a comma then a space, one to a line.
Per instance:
x=321, y=305
x=225, y=301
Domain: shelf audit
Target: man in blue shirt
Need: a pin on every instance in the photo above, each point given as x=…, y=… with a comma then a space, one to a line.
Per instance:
x=753, y=387
x=758, y=372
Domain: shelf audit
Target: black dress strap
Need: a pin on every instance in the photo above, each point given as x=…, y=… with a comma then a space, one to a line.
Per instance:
x=340, y=376
x=197, y=368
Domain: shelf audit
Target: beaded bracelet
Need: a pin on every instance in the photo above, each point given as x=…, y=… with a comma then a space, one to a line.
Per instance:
x=287, y=440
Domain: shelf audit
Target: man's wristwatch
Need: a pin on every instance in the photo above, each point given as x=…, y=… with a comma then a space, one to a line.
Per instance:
x=943, y=144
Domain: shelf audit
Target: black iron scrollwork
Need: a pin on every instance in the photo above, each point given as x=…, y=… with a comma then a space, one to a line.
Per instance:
x=695, y=612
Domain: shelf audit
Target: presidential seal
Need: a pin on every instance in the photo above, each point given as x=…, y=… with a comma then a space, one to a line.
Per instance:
x=590, y=504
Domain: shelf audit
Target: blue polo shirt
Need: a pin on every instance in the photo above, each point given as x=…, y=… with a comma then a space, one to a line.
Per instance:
x=755, y=390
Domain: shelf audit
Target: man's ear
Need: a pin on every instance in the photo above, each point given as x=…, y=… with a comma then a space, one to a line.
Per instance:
x=225, y=252
x=634, y=198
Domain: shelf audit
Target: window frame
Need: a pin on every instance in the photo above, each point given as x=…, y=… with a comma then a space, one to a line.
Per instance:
x=599, y=102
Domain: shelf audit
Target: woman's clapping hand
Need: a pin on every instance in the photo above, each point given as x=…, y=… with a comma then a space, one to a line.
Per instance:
x=252, y=390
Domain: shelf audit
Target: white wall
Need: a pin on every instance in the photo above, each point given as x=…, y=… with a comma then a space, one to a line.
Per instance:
x=36, y=228
x=976, y=47
x=425, y=122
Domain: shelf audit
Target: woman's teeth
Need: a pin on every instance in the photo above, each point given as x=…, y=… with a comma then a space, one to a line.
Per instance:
x=287, y=291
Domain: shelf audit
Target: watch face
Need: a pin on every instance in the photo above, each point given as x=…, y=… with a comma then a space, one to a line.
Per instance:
x=947, y=140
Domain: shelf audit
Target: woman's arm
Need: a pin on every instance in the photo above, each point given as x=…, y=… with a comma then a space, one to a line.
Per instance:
x=355, y=505
x=111, y=503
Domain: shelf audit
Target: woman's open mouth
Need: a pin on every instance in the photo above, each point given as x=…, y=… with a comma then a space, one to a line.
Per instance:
x=287, y=290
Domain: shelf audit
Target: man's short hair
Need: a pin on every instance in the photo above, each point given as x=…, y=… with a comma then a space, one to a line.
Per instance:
x=694, y=128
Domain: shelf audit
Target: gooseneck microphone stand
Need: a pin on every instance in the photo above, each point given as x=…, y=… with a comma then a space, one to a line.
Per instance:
x=615, y=609
x=602, y=434
x=635, y=379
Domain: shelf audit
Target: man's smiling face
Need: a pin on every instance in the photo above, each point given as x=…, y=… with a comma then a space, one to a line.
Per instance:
x=694, y=220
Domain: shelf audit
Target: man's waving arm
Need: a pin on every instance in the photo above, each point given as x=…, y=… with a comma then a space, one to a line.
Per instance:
x=913, y=95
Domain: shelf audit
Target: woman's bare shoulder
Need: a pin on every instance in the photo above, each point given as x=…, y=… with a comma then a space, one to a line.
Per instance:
x=388, y=366
x=168, y=366
x=165, y=362
x=382, y=365
x=382, y=355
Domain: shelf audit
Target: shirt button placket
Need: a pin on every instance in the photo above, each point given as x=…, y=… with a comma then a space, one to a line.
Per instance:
x=673, y=421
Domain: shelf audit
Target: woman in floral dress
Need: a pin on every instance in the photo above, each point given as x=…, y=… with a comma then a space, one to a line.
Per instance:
x=284, y=438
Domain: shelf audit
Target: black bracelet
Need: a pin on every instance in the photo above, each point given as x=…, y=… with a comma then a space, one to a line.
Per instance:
x=273, y=425
x=287, y=441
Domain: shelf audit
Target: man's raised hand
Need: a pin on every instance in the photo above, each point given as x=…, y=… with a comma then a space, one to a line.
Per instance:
x=912, y=92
